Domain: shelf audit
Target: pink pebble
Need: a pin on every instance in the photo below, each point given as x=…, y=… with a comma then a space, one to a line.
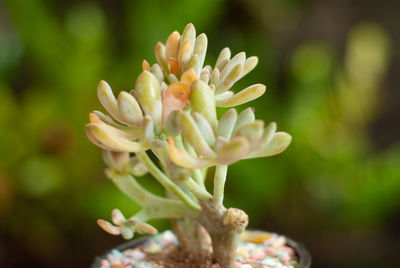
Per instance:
x=285, y=259
x=237, y=265
x=257, y=256
x=104, y=263
x=288, y=250
x=270, y=251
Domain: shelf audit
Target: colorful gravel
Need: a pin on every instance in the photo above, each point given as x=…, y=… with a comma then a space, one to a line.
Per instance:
x=271, y=253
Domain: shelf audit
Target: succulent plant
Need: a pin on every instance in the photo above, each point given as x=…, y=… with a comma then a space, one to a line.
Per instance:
x=172, y=115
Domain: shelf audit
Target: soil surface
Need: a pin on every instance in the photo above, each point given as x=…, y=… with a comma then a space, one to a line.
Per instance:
x=256, y=250
x=177, y=258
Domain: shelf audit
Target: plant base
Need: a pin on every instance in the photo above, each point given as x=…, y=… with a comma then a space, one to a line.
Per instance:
x=256, y=249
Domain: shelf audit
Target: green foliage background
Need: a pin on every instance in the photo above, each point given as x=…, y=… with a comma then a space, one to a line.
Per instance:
x=337, y=187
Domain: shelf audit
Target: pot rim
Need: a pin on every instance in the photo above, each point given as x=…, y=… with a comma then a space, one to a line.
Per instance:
x=304, y=255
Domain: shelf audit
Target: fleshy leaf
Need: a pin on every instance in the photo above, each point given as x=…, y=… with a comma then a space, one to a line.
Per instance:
x=172, y=126
x=280, y=141
x=205, y=75
x=106, y=118
x=252, y=131
x=223, y=58
x=158, y=73
x=145, y=65
x=148, y=127
x=108, y=100
x=189, y=33
x=193, y=135
x=248, y=94
x=173, y=66
x=175, y=98
x=184, y=55
x=145, y=228
x=188, y=77
x=172, y=79
x=205, y=128
x=171, y=46
x=129, y=109
x=224, y=96
x=149, y=95
x=233, y=151
x=269, y=133
x=219, y=143
x=214, y=78
x=108, y=227
x=160, y=56
x=110, y=140
x=95, y=141
x=184, y=159
x=239, y=58
x=226, y=83
x=177, y=173
x=127, y=233
x=202, y=101
x=245, y=116
x=123, y=131
x=249, y=65
x=199, y=54
x=117, y=217
x=227, y=123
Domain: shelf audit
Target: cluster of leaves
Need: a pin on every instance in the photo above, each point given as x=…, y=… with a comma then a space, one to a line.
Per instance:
x=50, y=60
x=173, y=112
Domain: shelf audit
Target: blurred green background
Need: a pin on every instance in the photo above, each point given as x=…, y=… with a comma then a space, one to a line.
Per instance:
x=331, y=69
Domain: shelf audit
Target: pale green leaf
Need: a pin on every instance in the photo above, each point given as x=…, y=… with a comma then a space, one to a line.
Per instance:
x=223, y=58
x=248, y=94
x=148, y=93
x=280, y=141
x=233, y=151
x=227, y=123
x=117, y=217
x=193, y=135
x=111, y=140
x=184, y=159
x=203, y=102
x=205, y=128
x=129, y=109
x=252, y=131
x=245, y=116
x=227, y=82
x=199, y=54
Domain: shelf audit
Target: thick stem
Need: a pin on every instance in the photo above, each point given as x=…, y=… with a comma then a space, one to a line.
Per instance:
x=225, y=245
x=191, y=235
x=225, y=242
x=224, y=226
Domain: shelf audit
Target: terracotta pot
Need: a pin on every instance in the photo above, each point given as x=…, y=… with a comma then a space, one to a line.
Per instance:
x=302, y=252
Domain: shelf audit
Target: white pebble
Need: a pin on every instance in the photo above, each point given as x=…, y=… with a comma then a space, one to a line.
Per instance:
x=269, y=261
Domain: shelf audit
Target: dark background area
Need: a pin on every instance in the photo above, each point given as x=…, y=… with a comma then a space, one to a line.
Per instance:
x=331, y=69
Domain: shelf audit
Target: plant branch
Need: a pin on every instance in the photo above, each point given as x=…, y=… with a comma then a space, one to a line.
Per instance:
x=198, y=177
x=197, y=190
x=219, y=184
x=154, y=207
x=166, y=182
